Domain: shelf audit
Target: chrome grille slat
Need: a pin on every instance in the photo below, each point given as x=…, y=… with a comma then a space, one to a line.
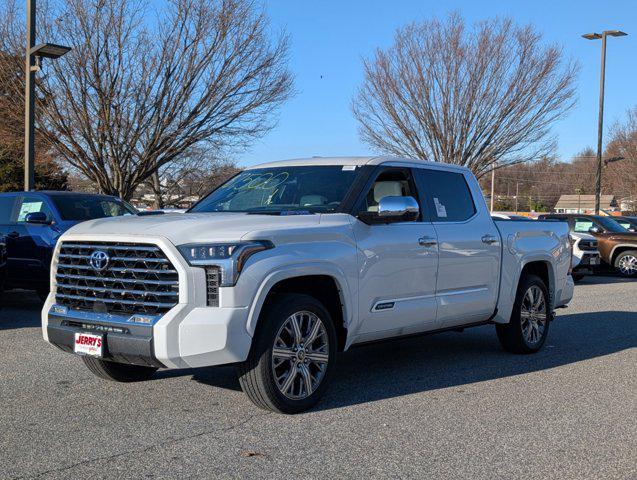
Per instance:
x=144, y=248
x=118, y=290
x=106, y=300
x=122, y=269
x=113, y=279
x=137, y=279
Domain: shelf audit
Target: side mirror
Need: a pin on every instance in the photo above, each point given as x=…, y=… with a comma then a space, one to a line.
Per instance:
x=38, y=218
x=393, y=209
x=595, y=229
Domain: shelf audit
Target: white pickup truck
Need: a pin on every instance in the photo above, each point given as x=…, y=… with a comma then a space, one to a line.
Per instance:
x=290, y=262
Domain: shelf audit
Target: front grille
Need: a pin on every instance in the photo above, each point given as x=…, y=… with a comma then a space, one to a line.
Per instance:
x=137, y=278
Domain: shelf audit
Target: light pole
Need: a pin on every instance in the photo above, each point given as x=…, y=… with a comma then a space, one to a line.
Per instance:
x=600, y=121
x=34, y=54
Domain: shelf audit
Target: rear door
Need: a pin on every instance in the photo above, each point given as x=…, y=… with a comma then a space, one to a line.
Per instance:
x=469, y=248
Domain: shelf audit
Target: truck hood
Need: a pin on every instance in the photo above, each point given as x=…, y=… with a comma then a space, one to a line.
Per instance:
x=180, y=228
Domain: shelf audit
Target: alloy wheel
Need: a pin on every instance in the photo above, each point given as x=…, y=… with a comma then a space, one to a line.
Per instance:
x=300, y=355
x=628, y=265
x=533, y=315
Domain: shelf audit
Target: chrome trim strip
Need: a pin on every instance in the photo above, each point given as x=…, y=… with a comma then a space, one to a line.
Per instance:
x=462, y=292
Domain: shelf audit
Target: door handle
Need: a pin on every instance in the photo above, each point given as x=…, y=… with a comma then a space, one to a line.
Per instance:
x=489, y=239
x=427, y=241
x=13, y=234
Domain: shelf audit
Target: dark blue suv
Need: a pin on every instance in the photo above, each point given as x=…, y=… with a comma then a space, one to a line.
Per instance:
x=32, y=222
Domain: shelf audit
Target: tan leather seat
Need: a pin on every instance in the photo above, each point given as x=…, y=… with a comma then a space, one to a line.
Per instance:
x=388, y=188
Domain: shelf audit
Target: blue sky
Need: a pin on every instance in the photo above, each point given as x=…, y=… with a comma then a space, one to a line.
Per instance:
x=329, y=38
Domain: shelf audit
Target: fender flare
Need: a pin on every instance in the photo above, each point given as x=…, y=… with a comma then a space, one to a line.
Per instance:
x=301, y=270
x=630, y=246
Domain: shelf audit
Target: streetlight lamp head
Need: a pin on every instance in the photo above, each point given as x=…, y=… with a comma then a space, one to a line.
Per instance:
x=49, y=50
x=592, y=36
x=615, y=33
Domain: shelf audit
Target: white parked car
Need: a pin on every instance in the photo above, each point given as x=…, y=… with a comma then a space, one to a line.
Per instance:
x=585, y=255
x=290, y=262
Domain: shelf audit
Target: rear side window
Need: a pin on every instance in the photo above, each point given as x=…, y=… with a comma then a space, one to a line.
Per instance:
x=6, y=207
x=448, y=194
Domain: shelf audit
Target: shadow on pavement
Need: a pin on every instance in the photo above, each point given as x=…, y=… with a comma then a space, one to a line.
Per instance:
x=427, y=363
x=20, y=309
x=604, y=279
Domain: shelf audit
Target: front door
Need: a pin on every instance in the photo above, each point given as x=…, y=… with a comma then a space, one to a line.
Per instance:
x=29, y=255
x=469, y=252
x=397, y=265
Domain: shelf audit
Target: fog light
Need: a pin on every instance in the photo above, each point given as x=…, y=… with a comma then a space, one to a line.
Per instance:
x=59, y=309
x=141, y=319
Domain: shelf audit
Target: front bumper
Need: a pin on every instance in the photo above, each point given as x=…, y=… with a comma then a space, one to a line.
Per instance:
x=588, y=263
x=183, y=338
x=132, y=344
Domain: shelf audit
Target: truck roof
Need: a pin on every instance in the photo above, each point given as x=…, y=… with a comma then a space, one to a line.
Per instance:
x=59, y=193
x=357, y=161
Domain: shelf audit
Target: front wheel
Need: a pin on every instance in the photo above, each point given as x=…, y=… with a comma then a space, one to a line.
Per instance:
x=293, y=356
x=529, y=325
x=626, y=263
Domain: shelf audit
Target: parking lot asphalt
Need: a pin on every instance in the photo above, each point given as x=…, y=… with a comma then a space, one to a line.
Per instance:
x=452, y=405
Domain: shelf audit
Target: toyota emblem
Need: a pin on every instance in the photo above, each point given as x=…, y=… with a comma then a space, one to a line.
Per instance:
x=99, y=260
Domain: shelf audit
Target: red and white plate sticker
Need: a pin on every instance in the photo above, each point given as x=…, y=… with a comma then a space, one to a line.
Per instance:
x=88, y=344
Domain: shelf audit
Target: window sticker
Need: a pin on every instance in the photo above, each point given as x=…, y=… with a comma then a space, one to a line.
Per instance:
x=441, y=210
x=28, y=207
x=349, y=168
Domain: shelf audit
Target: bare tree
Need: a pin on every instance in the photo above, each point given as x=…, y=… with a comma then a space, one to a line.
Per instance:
x=138, y=91
x=621, y=177
x=469, y=97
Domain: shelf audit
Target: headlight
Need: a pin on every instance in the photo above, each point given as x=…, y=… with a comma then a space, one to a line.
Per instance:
x=230, y=257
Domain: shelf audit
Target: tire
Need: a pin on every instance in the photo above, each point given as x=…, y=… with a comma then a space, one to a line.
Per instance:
x=526, y=332
x=626, y=263
x=577, y=277
x=118, y=372
x=265, y=376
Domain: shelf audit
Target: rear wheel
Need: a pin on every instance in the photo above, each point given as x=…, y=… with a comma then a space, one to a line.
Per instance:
x=292, y=359
x=626, y=263
x=118, y=372
x=529, y=325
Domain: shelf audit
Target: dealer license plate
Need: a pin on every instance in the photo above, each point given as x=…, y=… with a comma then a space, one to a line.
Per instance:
x=88, y=344
x=594, y=261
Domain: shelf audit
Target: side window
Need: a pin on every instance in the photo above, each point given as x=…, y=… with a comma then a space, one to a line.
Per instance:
x=582, y=225
x=448, y=194
x=32, y=204
x=389, y=183
x=6, y=208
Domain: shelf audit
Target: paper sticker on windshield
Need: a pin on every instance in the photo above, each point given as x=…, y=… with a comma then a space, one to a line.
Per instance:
x=349, y=168
x=441, y=210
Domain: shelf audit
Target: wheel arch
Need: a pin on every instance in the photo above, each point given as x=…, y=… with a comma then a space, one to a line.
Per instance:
x=325, y=283
x=618, y=249
x=544, y=270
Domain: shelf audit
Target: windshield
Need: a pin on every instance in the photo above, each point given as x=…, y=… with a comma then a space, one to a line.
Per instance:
x=610, y=225
x=279, y=190
x=83, y=207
